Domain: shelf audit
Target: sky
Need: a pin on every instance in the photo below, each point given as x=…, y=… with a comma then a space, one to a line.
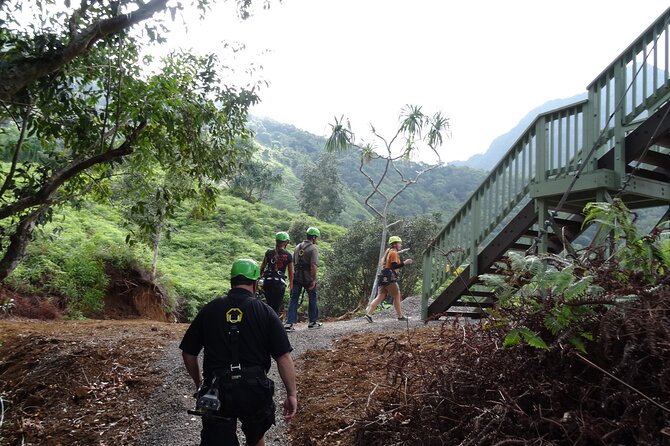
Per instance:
x=484, y=63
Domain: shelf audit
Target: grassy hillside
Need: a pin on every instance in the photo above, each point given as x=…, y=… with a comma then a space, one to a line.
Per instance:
x=293, y=150
x=69, y=256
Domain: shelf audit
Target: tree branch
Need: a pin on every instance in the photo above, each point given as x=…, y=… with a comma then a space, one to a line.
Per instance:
x=59, y=178
x=23, y=72
x=375, y=189
x=17, y=150
x=410, y=182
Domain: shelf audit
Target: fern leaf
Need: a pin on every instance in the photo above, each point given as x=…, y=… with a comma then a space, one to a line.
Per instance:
x=512, y=339
x=533, y=339
x=577, y=342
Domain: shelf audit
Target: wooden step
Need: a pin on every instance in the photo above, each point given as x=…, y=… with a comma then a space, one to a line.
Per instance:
x=656, y=159
x=484, y=304
x=477, y=293
x=471, y=314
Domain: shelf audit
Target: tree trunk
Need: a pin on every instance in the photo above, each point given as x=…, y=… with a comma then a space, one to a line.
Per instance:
x=157, y=241
x=382, y=250
x=19, y=242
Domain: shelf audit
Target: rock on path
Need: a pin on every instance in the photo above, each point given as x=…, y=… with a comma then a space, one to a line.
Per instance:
x=165, y=417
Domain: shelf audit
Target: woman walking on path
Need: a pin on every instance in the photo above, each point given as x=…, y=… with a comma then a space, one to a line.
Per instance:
x=388, y=279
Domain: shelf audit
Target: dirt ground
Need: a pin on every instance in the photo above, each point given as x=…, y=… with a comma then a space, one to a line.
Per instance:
x=339, y=393
x=78, y=382
x=121, y=382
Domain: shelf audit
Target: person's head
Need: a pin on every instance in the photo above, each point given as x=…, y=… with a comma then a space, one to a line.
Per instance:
x=281, y=239
x=245, y=274
x=395, y=242
x=312, y=234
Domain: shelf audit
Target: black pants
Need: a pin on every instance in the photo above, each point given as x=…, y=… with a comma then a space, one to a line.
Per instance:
x=274, y=294
x=224, y=433
x=249, y=400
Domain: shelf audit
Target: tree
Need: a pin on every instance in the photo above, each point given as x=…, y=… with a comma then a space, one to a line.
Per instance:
x=252, y=179
x=347, y=284
x=71, y=78
x=416, y=129
x=321, y=191
x=150, y=197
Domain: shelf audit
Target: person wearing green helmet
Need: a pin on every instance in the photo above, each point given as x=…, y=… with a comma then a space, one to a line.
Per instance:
x=275, y=263
x=239, y=334
x=305, y=260
x=387, y=281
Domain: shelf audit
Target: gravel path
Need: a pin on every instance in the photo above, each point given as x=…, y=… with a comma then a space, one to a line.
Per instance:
x=166, y=420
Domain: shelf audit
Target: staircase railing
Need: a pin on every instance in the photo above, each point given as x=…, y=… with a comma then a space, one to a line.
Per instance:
x=550, y=147
x=634, y=84
x=553, y=146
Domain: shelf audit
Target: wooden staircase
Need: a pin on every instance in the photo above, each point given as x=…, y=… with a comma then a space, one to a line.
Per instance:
x=615, y=143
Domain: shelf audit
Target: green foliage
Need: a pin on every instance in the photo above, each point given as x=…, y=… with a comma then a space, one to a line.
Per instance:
x=88, y=113
x=254, y=180
x=353, y=261
x=642, y=253
x=69, y=256
x=68, y=259
x=321, y=191
x=441, y=190
x=516, y=335
x=550, y=299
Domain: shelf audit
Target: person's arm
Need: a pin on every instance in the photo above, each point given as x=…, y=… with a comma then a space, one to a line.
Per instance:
x=314, y=271
x=290, y=275
x=287, y=372
x=263, y=263
x=192, y=367
x=395, y=265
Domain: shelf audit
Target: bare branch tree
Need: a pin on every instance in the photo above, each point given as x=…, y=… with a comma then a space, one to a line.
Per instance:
x=416, y=131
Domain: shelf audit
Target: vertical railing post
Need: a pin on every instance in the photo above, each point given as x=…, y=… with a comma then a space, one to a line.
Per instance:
x=590, y=127
x=541, y=176
x=475, y=229
x=619, y=113
x=540, y=151
x=427, y=283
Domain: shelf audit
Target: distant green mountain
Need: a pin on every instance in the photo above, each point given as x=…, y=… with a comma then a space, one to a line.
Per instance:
x=293, y=150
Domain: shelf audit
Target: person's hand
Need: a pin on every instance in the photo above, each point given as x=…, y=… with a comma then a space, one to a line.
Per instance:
x=312, y=284
x=290, y=407
x=408, y=262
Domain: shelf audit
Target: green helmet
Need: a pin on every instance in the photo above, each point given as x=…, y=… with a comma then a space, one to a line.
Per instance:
x=394, y=239
x=282, y=237
x=245, y=267
x=313, y=231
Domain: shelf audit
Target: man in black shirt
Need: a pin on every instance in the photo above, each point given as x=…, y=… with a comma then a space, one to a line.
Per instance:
x=274, y=266
x=240, y=334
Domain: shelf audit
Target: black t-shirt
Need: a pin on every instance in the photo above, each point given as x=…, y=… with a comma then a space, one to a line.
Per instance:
x=279, y=262
x=261, y=333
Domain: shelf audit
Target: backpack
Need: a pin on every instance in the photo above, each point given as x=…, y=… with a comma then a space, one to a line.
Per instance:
x=303, y=269
x=387, y=275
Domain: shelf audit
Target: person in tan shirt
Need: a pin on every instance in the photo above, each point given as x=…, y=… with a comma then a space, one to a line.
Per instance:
x=388, y=279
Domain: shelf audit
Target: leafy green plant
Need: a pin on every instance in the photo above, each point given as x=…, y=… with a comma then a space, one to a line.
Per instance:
x=548, y=300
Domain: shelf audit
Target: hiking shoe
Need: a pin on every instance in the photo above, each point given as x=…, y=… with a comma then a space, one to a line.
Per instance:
x=313, y=325
x=369, y=318
x=289, y=327
x=403, y=318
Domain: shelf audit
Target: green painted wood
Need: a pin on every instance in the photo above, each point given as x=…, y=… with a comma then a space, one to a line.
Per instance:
x=540, y=165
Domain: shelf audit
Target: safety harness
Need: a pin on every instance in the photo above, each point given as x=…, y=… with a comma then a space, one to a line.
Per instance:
x=237, y=383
